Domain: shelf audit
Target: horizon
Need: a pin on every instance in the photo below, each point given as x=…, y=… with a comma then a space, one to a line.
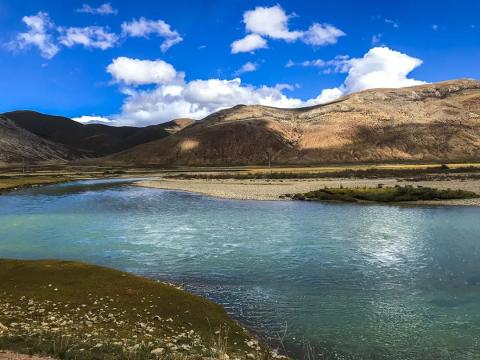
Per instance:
x=94, y=122
x=132, y=65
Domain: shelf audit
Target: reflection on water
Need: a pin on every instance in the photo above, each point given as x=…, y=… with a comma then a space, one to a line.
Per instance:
x=351, y=281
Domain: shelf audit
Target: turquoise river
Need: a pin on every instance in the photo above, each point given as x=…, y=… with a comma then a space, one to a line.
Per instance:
x=319, y=281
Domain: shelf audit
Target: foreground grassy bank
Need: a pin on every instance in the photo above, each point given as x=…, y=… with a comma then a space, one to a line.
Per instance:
x=384, y=194
x=72, y=310
x=19, y=181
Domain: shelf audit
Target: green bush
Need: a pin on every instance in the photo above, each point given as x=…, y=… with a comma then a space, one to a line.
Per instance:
x=384, y=194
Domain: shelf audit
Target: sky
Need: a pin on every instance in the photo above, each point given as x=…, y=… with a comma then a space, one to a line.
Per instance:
x=146, y=62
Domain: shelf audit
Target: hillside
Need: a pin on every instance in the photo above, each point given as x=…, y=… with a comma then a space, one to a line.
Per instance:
x=19, y=145
x=91, y=139
x=434, y=122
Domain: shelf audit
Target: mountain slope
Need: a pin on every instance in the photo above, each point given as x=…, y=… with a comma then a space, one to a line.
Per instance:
x=19, y=145
x=433, y=122
x=91, y=139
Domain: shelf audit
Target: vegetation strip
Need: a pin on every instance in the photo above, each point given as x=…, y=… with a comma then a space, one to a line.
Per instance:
x=369, y=173
x=383, y=194
x=72, y=310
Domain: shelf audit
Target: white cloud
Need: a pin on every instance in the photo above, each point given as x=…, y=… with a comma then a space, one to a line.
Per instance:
x=89, y=37
x=41, y=31
x=380, y=67
x=104, y=9
x=327, y=95
x=307, y=63
x=173, y=97
x=38, y=34
x=271, y=22
x=249, y=43
x=340, y=64
x=85, y=119
x=140, y=72
x=144, y=28
x=322, y=34
x=247, y=67
x=196, y=99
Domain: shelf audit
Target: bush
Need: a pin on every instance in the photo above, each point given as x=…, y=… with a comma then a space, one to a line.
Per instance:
x=384, y=194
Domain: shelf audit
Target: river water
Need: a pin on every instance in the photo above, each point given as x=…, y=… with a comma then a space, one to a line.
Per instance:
x=321, y=281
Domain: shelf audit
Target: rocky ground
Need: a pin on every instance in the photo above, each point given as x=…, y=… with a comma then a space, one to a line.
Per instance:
x=260, y=189
x=8, y=355
x=76, y=311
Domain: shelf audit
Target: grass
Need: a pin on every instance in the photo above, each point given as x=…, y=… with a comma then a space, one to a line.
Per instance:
x=8, y=182
x=364, y=173
x=384, y=194
x=73, y=310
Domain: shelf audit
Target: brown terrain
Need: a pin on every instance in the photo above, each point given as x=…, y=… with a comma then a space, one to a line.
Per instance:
x=32, y=136
x=18, y=145
x=430, y=123
x=434, y=122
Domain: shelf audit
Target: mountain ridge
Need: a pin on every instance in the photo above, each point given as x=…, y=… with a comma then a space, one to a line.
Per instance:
x=430, y=122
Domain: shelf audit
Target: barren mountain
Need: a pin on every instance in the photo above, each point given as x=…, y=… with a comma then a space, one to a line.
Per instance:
x=434, y=122
x=19, y=145
x=92, y=139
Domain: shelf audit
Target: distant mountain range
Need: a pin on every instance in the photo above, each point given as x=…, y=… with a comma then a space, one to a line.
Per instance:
x=434, y=122
x=46, y=137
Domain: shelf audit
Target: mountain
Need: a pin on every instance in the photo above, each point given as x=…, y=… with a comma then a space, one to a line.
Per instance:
x=91, y=139
x=18, y=145
x=434, y=122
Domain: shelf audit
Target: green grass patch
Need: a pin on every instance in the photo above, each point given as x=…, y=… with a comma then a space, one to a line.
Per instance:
x=72, y=310
x=384, y=194
x=19, y=181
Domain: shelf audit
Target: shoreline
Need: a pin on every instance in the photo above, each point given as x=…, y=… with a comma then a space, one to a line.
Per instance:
x=128, y=314
x=273, y=190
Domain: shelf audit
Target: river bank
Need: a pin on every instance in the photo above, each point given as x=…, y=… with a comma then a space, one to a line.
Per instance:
x=75, y=310
x=274, y=189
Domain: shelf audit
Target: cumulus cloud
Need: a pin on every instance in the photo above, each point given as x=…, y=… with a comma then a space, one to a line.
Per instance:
x=140, y=72
x=89, y=37
x=172, y=96
x=196, y=99
x=380, y=67
x=322, y=34
x=249, y=43
x=247, y=67
x=272, y=22
x=104, y=9
x=38, y=34
x=144, y=28
x=49, y=38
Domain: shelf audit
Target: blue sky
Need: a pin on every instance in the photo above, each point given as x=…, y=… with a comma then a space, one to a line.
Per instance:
x=92, y=58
